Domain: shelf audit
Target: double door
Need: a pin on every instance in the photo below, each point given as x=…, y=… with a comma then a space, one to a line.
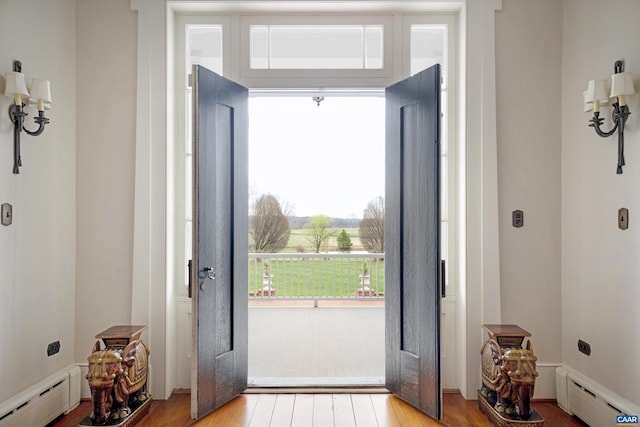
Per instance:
x=412, y=241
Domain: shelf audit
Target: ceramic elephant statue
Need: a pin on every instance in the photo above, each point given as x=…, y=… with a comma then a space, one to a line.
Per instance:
x=117, y=378
x=508, y=376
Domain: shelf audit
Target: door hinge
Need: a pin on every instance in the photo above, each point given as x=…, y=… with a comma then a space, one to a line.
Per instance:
x=190, y=284
x=443, y=275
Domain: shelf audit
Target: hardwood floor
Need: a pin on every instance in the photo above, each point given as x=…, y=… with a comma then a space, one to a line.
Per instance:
x=319, y=410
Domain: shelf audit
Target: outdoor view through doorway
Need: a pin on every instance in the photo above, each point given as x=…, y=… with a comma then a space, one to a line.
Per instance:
x=316, y=278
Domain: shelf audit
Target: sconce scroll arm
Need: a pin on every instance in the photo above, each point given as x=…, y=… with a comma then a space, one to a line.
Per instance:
x=596, y=121
x=41, y=120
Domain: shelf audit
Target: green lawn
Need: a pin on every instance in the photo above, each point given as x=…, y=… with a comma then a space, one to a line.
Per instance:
x=316, y=277
x=300, y=239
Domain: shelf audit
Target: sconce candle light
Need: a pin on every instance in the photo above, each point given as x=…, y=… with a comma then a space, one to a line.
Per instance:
x=40, y=97
x=596, y=96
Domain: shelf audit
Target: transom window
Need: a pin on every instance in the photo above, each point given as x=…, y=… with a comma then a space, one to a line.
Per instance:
x=316, y=46
x=316, y=51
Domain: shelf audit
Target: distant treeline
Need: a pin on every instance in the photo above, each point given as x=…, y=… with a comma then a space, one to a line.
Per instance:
x=296, y=222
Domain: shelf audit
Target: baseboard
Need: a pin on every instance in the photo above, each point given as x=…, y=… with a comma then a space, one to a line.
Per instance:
x=589, y=400
x=546, y=381
x=85, y=392
x=41, y=403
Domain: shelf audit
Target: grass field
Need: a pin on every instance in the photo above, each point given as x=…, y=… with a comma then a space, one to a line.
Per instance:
x=299, y=239
x=316, y=277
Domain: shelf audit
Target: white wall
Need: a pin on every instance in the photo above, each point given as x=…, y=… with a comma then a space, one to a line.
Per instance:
x=600, y=263
x=73, y=209
x=38, y=252
x=528, y=95
x=106, y=49
x=599, y=269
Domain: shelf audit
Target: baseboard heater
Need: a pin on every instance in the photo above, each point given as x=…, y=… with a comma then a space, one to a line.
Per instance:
x=588, y=400
x=45, y=401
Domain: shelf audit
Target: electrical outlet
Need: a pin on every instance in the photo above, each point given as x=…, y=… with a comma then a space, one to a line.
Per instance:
x=53, y=348
x=584, y=347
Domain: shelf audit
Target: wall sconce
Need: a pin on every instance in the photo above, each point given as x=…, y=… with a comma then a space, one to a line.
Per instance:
x=40, y=97
x=597, y=94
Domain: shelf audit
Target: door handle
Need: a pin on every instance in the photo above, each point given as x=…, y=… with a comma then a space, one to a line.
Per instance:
x=210, y=273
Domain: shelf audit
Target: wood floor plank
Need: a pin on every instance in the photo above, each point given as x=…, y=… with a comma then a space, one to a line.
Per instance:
x=247, y=412
x=168, y=413
x=323, y=410
x=303, y=411
x=261, y=416
x=385, y=415
x=343, y=410
x=465, y=420
x=408, y=416
x=283, y=410
x=317, y=410
x=238, y=412
x=363, y=410
x=554, y=416
x=77, y=415
x=224, y=415
x=457, y=412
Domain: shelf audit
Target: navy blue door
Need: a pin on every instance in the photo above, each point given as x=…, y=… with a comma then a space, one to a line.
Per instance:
x=412, y=241
x=219, y=269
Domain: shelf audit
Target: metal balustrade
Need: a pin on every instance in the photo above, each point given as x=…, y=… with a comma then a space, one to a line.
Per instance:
x=322, y=276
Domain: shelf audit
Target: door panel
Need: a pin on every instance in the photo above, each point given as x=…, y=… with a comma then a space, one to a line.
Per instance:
x=219, y=268
x=412, y=241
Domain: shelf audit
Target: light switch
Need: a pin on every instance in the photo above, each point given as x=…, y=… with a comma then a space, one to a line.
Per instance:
x=6, y=213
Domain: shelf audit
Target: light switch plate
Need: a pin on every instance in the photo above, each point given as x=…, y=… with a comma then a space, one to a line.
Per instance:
x=6, y=213
x=623, y=218
x=517, y=218
x=584, y=347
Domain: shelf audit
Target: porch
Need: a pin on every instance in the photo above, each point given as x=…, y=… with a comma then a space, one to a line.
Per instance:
x=316, y=319
x=337, y=343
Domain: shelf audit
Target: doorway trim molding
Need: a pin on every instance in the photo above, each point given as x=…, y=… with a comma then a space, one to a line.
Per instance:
x=478, y=208
x=152, y=290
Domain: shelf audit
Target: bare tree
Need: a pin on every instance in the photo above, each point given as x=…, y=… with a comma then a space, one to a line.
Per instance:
x=268, y=225
x=372, y=226
x=319, y=230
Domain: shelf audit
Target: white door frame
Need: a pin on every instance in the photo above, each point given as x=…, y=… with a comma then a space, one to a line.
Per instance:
x=479, y=279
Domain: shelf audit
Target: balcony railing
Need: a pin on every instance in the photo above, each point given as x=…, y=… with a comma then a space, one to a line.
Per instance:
x=324, y=276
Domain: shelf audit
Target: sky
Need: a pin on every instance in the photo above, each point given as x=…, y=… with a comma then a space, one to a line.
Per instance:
x=320, y=160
